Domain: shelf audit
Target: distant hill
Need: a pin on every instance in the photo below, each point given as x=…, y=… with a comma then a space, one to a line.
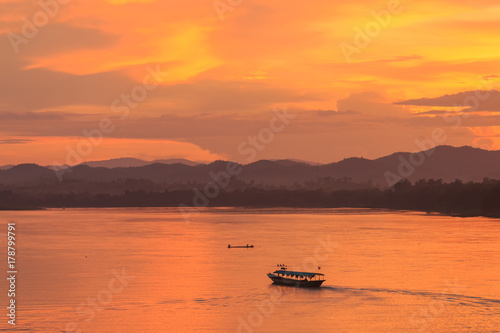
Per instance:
x=127, y=162
x=293, y=160
x=5, y=167
x=444, y=162
x=27, y=174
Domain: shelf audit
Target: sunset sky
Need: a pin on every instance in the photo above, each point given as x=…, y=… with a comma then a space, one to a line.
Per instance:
x=361, y=78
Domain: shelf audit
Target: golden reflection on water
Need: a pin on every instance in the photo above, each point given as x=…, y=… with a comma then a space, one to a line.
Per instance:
x=385, y=271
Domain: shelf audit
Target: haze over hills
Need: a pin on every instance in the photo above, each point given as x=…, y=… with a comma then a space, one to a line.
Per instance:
x=443, y=162
x=5, y=167
x=123, y=162
x=126, y=162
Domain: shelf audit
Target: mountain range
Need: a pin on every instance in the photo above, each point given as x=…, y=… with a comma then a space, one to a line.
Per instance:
x=125, y=162
x=443, y=162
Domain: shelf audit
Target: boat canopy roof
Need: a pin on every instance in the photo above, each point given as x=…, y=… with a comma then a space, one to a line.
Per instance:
x=296, y=273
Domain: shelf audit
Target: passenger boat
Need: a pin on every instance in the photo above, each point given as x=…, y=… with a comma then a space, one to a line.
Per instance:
x=285, y=277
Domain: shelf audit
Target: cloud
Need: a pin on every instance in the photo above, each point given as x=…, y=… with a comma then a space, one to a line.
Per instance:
x=61, y=150
x=226, y=75
x=6, y=116
x=490, y=77
x=311, y=134
x=330, y=113
x=14, y=141
x=369, y=103
x=59, y=38
x=479, y=100
x=432, y=112
x=228, y=96
x=400, y=58
x=48, y=88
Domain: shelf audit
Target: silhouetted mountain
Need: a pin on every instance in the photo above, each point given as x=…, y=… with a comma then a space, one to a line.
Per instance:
x=5, y=167
x=352, y=182
x=27, y=173
x=444, y=162
x=126, y=162
x=177, y=160
x=281, y=172
x=447, y=163
x=294, y=160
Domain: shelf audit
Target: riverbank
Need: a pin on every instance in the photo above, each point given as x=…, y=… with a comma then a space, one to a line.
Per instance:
x=454, y=199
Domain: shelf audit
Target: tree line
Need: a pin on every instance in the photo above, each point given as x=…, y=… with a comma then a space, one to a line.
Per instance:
x=455, y=198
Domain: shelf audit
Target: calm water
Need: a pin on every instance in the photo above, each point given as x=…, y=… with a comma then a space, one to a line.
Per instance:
x=385, y=271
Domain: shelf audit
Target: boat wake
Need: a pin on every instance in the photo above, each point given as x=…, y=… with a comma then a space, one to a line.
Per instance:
x=449, y=297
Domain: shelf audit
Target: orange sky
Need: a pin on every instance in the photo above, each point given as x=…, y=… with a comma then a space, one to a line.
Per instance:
x=205, y=75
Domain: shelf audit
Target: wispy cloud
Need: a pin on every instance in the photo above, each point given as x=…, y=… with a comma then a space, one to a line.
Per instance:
x=491, y=103
x=15, y=141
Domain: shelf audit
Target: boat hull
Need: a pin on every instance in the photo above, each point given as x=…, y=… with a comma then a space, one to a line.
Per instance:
x=295, y=283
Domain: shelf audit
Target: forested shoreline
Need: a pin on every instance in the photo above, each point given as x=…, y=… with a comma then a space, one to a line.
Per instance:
x=456, y=198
